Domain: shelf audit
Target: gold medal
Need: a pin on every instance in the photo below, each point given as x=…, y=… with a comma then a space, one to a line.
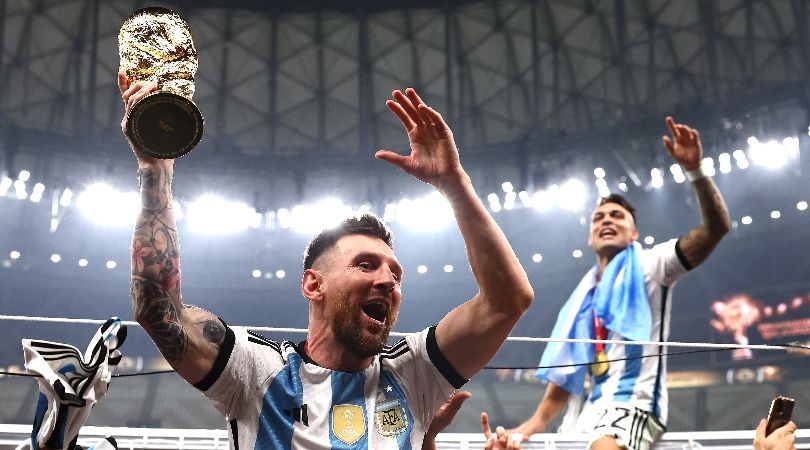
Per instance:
x=600, y=364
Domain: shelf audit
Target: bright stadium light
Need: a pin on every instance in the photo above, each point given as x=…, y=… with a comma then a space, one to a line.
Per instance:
x=211, y=214
x=537, y=257
x=677, y=173
x=599, y=172
x=111, y=264
x=577, y=253
x=602, y=187
x=448, y=268
x=507, y=186
x=105, y=205
x=36, y=193
x=283, y=215
x=24, y=175
x=390, y=212
x=656, y=178
x=256, y=273
x=66, y=198
x=801, y=206
x=746, y=220
x=509, y=201
x=740, y=159
x=280, y=274
x=431, y=212
x=312, y=218
x=5, y=184
x=725, y=162
x=421, y=268
x=14, y=254
x=525, y=199
x=19, y=189
x=773, y=154
x=572, y=195
x=83, y=262
x=649, y=240
x=56, y=257
x=623, y=186
x=775, y=214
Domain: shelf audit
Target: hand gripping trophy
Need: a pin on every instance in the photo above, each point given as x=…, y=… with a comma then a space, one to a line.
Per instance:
x=155, y=45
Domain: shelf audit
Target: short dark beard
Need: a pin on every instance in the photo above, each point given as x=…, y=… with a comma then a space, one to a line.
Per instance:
x=347, y=328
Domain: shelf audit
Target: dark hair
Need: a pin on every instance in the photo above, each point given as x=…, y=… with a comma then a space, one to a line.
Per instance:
x=367, y=224
x=621, y=201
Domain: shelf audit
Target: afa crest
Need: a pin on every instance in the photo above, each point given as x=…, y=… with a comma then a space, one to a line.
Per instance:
x=348, y=423
x=390, y=418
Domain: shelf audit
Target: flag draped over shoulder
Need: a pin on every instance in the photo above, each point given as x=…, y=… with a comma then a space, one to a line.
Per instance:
x=619, y=298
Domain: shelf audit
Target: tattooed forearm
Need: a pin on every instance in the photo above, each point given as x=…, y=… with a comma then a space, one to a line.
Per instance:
x=156, y=297
x=157, y=313
x=699, y=242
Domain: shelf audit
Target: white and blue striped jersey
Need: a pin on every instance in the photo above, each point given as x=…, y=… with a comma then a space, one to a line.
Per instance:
x=641, y=382
x=274, y=397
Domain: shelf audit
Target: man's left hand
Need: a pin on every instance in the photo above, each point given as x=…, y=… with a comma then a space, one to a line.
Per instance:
x=684, y=146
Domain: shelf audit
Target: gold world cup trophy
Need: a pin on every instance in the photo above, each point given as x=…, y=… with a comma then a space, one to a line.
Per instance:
x=155, y=45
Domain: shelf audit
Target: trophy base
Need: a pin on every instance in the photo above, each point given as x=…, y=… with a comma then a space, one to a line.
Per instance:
x=164, y=125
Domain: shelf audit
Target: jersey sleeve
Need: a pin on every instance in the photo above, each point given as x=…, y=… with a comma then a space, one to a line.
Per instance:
x=426, y=375
x=244, y=363
x=665, y=263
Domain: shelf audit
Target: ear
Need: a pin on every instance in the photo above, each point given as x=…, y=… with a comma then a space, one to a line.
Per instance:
x=635, y=234
x=311, y=285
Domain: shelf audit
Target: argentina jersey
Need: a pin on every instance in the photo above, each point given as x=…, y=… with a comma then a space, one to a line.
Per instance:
x=274, y=397
x=637, y=374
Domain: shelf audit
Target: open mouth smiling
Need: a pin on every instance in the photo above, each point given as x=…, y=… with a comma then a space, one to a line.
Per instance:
x=376, y=310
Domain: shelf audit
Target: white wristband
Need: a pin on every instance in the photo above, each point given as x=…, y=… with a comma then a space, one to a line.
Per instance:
x=696, y=174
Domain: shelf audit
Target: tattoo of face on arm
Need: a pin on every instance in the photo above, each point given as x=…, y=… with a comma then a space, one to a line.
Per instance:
x=213, y=331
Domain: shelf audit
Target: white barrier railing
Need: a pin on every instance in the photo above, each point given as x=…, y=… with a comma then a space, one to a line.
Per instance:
x=14, y=436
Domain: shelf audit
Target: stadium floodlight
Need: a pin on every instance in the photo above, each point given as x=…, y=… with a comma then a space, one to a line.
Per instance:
x=649, y=240
x=602, y=187
x=211, y=214
x=105, y=205
x=66, y=198
x=431, y=212
x=577, y=253
x=111, y=264
x=525, y=199
x=5, y=184
x=623, y=186
x=19, y=189
x=507, y=186
x=725, y=162
x=14, y=254
x=739, y=157
x=24, y=175
x=599, y=172
x=390, y=212
x=448, y=268
x=771, y=154
x=280, y=274
x=544, y=200
x=801, y=206
x=537, y=257
x=283, y=215
x=677, y=173
x=56, y=257
x=312, y=218
x=571, y=195
x=775, y=214
x=509, y=201
x=656, y=178
x=421, y=268
x=36, y=193
x=83, y=262
x=256, y=273
x=746, y=220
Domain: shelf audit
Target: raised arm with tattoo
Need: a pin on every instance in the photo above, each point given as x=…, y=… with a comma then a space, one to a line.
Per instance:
x=188, y=337
x=686, y=149
x=470, y=335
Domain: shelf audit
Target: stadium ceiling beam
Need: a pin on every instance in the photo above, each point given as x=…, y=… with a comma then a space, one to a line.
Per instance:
x=272, y=88
x=366, y=119
x=410, y=36
x=513, y=71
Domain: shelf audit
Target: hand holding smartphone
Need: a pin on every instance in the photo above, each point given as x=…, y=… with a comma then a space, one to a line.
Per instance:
x=780, y=413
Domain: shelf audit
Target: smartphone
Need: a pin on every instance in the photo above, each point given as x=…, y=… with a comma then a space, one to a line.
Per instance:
x=780, y=413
